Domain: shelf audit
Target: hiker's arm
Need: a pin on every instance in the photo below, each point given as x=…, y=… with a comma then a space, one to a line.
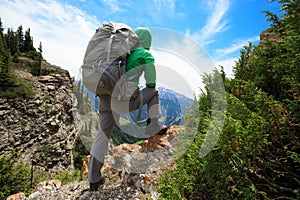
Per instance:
x=150, y=75
x=149, y=71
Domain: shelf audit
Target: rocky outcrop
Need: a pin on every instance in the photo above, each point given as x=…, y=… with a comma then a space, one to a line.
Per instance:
x=123, y=178
x=268, y=35
x=120, y=183
x=42, y=128
x=50, y=190
x=158, y=142
x=18, y=196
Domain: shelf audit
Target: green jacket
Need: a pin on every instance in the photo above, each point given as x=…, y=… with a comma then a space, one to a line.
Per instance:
x=141, y=60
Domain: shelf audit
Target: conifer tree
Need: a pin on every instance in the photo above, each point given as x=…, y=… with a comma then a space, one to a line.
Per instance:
x=1, y=28
x=1, y=46
x=1, y=40
x=20, y=38
x=5, y=60
x=28, y=42
x=11, y=42
x=40, y=59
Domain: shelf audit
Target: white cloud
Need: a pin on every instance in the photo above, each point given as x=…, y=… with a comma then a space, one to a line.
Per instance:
x=236, y=46
x=64, y=30
x=215, y=23
x=227, y=64
x=183, y=59
x=222, y=56
x=165, y=4
x=113, y=4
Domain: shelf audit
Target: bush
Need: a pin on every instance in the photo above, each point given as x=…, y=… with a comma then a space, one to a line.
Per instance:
x=13, y=87
x=257, y=154
x=68, y=177
x=35, y=68
x=15, y=177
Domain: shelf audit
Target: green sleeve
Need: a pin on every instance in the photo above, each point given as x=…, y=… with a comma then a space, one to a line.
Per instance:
x=150, y=75
x=149, y=70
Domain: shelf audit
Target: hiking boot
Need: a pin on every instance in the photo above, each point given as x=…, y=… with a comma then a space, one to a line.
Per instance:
x=154, y=128
x=95, y=186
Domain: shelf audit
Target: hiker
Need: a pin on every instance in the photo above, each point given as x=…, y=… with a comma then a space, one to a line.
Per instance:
x=139, y=61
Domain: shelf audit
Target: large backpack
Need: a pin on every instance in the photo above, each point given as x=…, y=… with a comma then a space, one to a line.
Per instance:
x=105, y=59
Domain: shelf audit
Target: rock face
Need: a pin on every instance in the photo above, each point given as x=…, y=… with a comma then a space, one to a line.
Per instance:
x=268, y=35
x=120, y=183
x=123, y=178
x=42, y=128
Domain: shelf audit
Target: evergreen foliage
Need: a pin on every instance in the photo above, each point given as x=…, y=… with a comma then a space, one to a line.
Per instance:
x=15, y=177
x=68, y=177
x=19, y=177
x=12, y=45
x=258, y=153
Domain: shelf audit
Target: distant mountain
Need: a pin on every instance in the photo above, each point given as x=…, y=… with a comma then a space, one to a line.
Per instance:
x=173, y=106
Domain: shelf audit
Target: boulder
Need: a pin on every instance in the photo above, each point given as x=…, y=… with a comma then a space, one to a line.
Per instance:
x=18, y=196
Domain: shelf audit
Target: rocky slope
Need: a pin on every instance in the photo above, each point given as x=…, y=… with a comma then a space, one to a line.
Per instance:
x=120, y=183
x=42, y=128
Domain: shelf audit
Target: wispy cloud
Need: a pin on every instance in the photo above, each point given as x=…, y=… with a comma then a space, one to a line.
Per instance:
x=162, y=4
x=227, y=64
x=161, y=10
x=227, y=56
x=63, y=29
x=113, y=4
x=216, y=22
x=236, y=46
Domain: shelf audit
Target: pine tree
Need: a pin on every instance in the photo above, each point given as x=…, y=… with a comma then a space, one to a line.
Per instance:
x=28, y=42
x=11, y=42
x=39, y=64
x=1, y=41
x=40, y=53
x=5, y=60
x=20, y=38
x=1, y=28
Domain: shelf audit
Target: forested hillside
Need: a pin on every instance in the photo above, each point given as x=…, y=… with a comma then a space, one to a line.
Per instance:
x=258, y=153
x=15, y=45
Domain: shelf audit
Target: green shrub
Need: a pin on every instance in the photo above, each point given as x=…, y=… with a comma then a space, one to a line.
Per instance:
x=14, y=87
x=15, y=177
x=79, y=151
x=35, y=68
x=244, y=162
x=68, y=177
x=257, y=154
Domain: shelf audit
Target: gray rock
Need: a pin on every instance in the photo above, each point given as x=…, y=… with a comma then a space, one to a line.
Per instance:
x=34, y=125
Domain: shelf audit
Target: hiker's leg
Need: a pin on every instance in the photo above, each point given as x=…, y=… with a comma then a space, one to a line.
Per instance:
x=150, y=97
x=147, y=96
x=100, y=144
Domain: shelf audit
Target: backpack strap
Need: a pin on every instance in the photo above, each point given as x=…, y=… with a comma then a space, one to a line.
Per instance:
x=108, y=47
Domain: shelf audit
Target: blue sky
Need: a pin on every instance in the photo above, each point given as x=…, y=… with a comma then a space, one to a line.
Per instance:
x=220, y=27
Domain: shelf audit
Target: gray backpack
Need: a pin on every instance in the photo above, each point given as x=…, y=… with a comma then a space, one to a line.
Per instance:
x=103, y=69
